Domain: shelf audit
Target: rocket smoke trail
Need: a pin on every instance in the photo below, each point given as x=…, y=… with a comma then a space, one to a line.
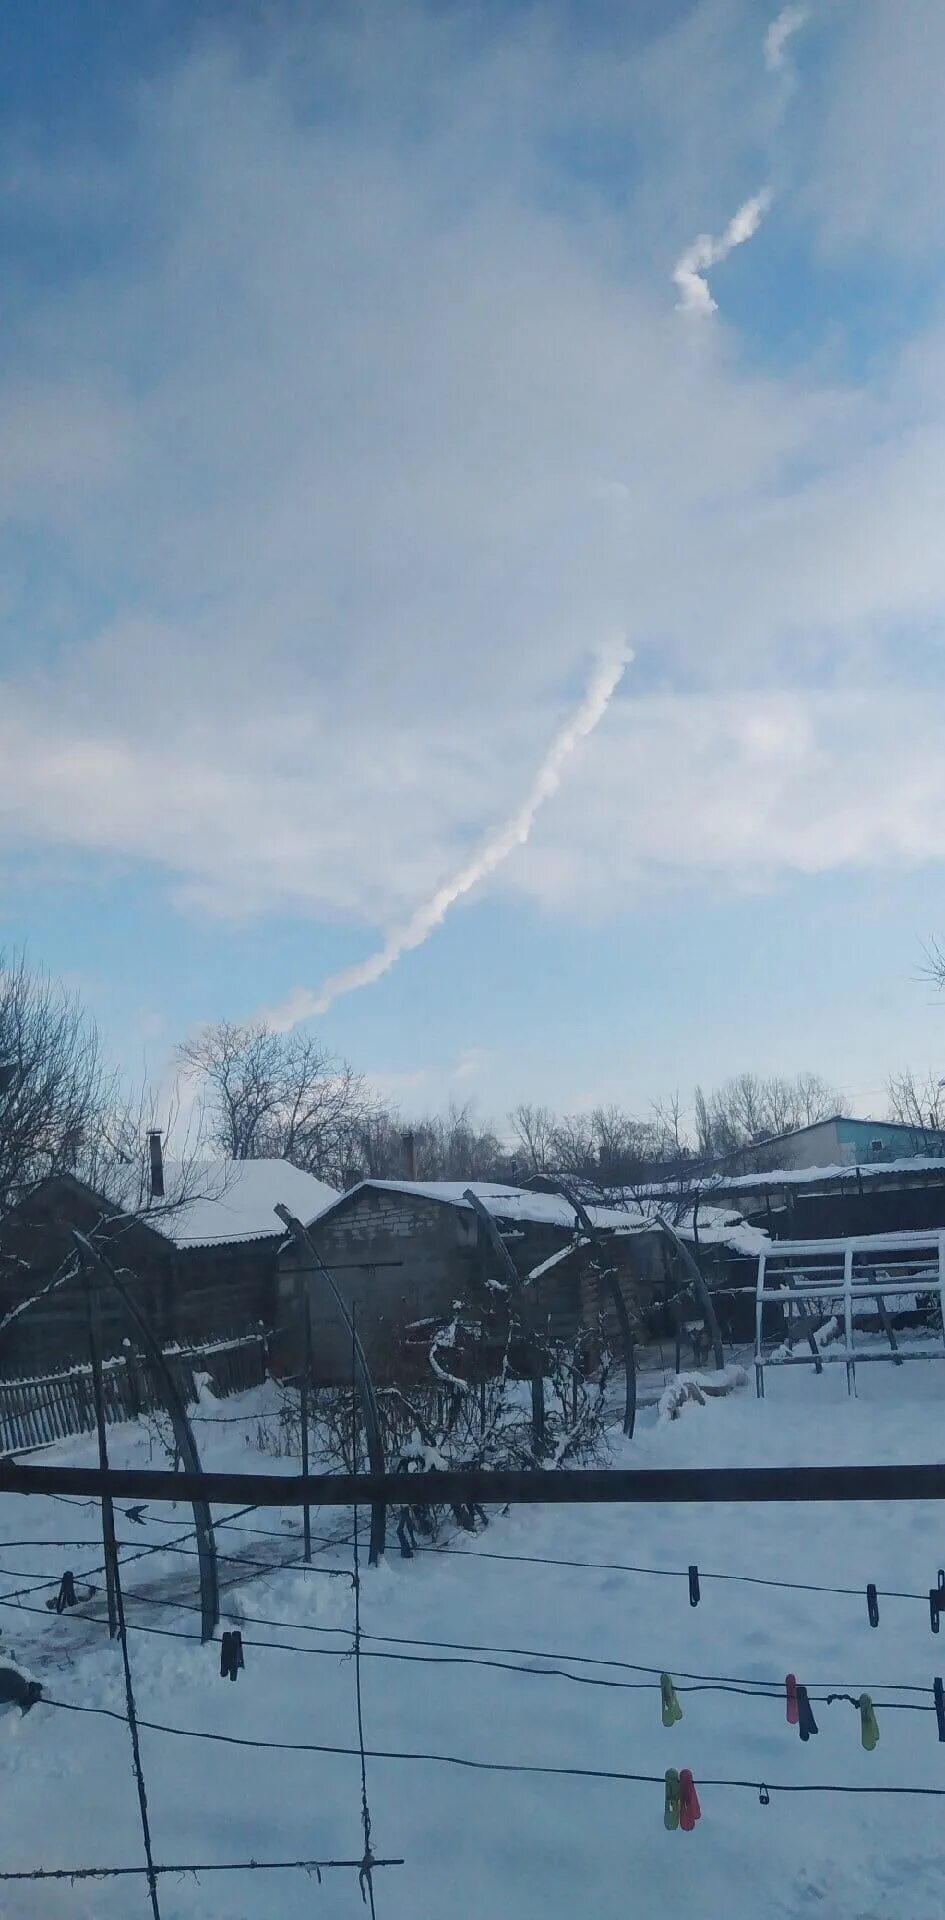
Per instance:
x=514, y=832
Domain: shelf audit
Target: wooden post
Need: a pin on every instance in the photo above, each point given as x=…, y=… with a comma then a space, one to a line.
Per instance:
x=108, y=1512
x=303, y=1411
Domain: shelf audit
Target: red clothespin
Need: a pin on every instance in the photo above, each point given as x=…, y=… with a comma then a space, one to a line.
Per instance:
x=689, y=1808
x=790, y=1688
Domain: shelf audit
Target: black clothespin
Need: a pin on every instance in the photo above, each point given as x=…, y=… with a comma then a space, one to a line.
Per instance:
x=806, y=1724
x=231, y=1655
x=764, y=1796
x=66, y=1597
x=136, y=1514
x=939, y=1695
x=936, y=1600
x=694, y=1595
x=872, y=1605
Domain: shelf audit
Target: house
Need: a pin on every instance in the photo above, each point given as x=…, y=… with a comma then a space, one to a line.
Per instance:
x=408, y=1254
x=839, y=1141
x=201, y=1266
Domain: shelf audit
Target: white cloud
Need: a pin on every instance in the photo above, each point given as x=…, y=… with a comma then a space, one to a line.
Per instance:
x=690, y=269
x=330, y=483
x=494, y=851
x=788, y=22
x=738, y=790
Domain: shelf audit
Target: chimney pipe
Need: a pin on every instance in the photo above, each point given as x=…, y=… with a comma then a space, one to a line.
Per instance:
x=156, y=1158
x=409, y=1143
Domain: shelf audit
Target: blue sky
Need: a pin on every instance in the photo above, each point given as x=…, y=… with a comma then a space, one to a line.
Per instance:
x=350, y=411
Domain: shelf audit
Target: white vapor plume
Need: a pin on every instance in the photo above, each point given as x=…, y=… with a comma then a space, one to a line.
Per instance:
x=303, y=1003
x=789, y=21
x=689, y=270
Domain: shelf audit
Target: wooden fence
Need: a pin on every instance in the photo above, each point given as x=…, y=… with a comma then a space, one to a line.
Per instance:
x=36, y=1411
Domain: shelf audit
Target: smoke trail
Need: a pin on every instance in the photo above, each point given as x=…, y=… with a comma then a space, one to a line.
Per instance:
x=513, y=833
x=789, y=20
x=706, y=252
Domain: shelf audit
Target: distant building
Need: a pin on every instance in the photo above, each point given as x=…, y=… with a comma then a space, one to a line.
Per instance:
x=839, y=1141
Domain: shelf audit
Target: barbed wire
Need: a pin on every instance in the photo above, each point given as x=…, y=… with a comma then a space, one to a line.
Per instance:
x=194, y=1867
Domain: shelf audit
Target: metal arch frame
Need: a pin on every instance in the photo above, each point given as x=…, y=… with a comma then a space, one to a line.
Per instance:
x=92, y=1258
x=701, y=1290
x=362, y=1375
x=514, y=1280
x=609, y=1274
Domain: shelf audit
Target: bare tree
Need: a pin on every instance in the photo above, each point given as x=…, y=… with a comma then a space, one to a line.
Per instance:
x=55, y=1091
x=919, y=1104
x=277, y=1095
x=749, y=1110
x=534, y=1130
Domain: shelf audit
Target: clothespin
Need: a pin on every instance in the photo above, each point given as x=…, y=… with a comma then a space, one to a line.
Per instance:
x=671, y=1808
x=764, y=1796
x=869, y=1727
x=790, y=1688
x=672, y=1711
x=136, y=1514
x=231, y=1655
x=938, y=1692
x=872, y=1605
x=694, y=1595
x=806, y=1724
x=936, y=1602
x=66, y=1597
x=689, y=1808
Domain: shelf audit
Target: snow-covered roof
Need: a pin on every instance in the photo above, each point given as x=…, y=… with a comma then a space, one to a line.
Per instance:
x=798, y=1176
x=506, y=1203
x=233, y=1200
x=717, y=1226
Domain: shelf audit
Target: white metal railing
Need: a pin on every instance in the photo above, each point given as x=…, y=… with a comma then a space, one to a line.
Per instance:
x=815, y=1281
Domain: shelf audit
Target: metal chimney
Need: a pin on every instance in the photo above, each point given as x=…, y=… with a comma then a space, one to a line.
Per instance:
x=409, y=1144
x=156, y=1158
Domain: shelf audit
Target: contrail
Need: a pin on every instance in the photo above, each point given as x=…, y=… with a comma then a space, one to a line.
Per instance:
x=305, y=1002
x=705, y=252
x=789, y=20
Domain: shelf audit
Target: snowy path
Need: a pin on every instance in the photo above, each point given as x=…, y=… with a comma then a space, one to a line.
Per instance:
x=530, y=1845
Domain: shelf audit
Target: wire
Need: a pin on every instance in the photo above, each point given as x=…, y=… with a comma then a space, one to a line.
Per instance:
x=365, y=1875
x=677, y=1573
x=764, y=1690
x=135, y=1745
x=486, y=1766
x=318, y=1867
x=773, y=1689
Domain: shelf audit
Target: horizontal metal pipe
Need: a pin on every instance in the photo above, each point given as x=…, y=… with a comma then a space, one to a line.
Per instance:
x=644, y=1487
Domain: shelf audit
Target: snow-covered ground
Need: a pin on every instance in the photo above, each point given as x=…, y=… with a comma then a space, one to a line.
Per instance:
x=531, y=1845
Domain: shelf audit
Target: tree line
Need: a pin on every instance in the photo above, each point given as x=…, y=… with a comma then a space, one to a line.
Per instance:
x=251, y=1092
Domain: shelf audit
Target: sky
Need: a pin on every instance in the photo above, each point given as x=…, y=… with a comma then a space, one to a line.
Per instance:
x=471, y=489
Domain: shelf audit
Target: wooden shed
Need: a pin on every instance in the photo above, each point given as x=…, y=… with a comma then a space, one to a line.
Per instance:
x=201, y=1268
x=407, y=1253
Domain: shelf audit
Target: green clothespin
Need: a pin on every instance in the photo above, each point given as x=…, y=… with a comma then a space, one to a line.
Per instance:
x=671, y=1809
x=672, y=1711
x=869, y=1728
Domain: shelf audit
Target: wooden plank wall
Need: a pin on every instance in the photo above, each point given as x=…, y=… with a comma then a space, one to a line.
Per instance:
x=34, y=1412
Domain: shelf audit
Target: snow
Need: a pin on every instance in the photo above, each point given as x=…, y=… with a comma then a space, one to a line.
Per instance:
x=552, y=1209
x=800, y=1176
x=236, y=1200
x=536, y=1846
